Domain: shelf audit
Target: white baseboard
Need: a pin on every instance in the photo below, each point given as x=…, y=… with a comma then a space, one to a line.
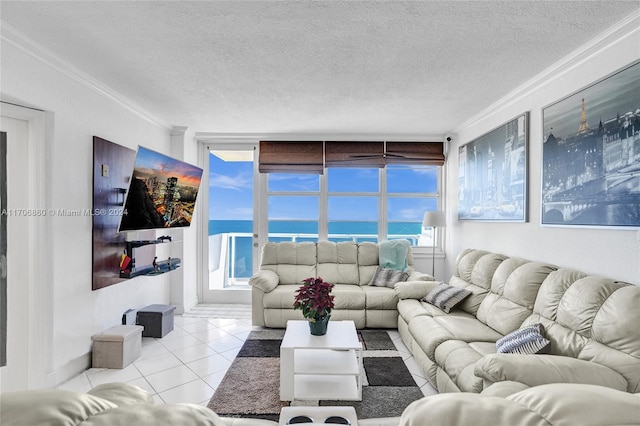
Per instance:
x=191, y=304
x=69, y=370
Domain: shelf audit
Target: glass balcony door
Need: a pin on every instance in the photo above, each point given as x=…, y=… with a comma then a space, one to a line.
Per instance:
x=232, y=232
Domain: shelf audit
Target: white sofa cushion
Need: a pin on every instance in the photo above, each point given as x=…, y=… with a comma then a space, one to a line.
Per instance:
x=379, y=297
x=430, y=332
x=513, y=294
x=457, y=359
x=348, y=297
x=367, y=261
x=338, y=262
x=281, y=297
x=292, y=262
x=535, y=370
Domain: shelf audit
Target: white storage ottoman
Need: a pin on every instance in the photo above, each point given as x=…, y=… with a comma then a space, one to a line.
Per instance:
x=117, y=347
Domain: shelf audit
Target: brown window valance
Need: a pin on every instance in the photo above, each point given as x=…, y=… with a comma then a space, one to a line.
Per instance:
x=291, y=157
x=354, y=154
x=314, y=156
x=427, y=153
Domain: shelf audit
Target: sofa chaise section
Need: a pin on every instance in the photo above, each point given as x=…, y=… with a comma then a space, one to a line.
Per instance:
x=447, y=346
x=592, y=324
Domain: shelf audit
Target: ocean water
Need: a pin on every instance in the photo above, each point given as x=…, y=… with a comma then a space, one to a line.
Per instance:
x=243, y=260
x=310, y=227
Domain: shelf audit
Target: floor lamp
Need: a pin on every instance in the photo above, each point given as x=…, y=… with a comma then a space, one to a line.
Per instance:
x=434, y=219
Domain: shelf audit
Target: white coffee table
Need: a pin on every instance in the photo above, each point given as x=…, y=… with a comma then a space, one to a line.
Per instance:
x=321, y=367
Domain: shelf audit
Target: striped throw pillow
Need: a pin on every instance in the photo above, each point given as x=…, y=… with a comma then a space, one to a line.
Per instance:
x=527, y=340
x=387, y=277
x=445, y=297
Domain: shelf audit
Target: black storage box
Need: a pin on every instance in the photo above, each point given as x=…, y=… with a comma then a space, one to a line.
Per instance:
x=157, y=320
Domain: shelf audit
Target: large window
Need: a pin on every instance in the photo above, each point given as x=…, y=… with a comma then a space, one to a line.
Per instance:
x=353, y=204
x=293, y=207
x=411, y=190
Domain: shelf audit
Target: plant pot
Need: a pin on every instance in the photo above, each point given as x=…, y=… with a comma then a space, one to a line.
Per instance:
x=319, y=326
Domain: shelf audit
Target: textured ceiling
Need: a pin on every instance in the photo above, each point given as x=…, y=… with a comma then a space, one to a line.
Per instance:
x=391, y=67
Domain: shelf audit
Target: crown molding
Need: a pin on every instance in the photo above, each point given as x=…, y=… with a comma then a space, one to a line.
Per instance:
x=179, y=130
x=620, y=31
x=253, y=137
x=22, y=42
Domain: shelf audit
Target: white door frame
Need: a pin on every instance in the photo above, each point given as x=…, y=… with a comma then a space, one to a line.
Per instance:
x=38, y=233
x=226, y=295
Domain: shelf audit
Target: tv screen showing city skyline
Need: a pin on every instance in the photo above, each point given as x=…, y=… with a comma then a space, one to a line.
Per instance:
x=162, y=192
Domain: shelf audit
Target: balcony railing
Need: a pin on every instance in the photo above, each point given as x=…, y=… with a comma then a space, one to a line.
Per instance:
x=232, y=252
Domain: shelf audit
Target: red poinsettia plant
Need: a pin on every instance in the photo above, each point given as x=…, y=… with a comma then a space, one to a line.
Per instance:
x=314, y=298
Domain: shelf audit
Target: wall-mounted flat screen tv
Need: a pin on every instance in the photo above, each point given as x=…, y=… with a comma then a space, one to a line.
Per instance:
x=162, y=192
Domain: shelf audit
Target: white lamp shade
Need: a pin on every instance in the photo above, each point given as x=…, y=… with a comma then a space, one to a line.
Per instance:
x=434, y=219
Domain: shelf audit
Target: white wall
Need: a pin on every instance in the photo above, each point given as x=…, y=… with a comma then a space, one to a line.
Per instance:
x=32, y=77
x=183, y=285
x=607, y=252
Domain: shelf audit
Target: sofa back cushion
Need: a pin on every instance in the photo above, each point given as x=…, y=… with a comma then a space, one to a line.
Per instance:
x=592, y=318
x=474, y=272
x=368, y=260
x=513, y=294
x=338, y=262
x=293, y=262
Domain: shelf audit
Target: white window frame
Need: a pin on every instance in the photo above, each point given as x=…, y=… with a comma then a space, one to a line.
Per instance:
x=323, y=195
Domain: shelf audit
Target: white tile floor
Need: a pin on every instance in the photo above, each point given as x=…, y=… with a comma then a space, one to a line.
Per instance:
x=188, y=363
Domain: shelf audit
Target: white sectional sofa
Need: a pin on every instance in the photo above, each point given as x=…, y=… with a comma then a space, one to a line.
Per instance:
x=123, y=404
x=109, y=404
x=348, y=265
x=592, y=323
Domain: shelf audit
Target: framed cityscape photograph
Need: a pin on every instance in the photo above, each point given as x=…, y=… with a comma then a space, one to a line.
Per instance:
x=492, y=174
x=591, y=154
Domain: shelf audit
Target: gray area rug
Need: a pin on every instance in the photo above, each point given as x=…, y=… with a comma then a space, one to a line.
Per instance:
x=251, y=386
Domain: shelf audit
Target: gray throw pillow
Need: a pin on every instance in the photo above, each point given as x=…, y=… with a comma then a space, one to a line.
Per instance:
x=446, y=297
x=387, y=277
x=527, y=340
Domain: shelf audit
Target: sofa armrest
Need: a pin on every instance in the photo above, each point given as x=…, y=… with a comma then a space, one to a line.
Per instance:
x=265, y=279
x=413, y=289
x=535, y=370
x=553, y=404
x=503, y=389
x=122, y=394
x=419, y=276
x=466, y=408
x=50, y=407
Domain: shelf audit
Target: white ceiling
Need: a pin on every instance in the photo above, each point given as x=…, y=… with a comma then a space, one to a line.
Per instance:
x=385, y=67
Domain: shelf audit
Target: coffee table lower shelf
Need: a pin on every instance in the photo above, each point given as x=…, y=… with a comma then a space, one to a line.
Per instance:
x=325, y=367
x=312, y=387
